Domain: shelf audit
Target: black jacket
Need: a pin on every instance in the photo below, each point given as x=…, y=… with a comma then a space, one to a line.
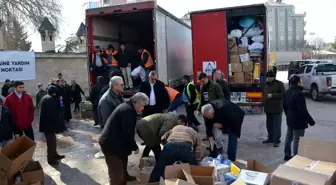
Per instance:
x=7, y=125
x=92, y=60
x=64, y=91
x=273, y=105
x=76, y=93
x=4, y=90
x=229, y=115
x=50, y=115
x=295, y=108
x=225, y=89
x=95, y=94
x=161, y=94
x=118, y=134
x=124, y=58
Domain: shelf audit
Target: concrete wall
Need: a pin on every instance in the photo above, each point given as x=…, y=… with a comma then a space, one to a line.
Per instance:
x=72, y=66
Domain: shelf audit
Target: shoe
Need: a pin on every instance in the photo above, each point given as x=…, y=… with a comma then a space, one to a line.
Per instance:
x=276, y=145
x=205, y=139
x=96, y=124
x=53, y=163
x=143, y=144
x=130, y=178
x=288, y=157
x=59, y=157
x=267, y=141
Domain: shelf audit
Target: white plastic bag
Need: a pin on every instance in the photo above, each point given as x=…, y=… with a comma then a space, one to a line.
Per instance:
x=256, y=46
x=236, y=33
x=139, y=72
x=253, y=32
x=258, y=38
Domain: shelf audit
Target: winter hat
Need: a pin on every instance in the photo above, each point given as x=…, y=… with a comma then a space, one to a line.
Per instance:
x=52, y=89
x=270, y=74
x=294, y=80
x=7, y=80
x=39, y=85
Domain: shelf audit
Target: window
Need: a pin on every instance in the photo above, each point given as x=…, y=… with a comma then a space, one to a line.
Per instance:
x=281, y=9
x=290, y=28
x=282, y=37
x=290, y=38
x=281, y=18
x=297, y=37
x=308, y=69
x=326, y=68
x=301, y=70
x=51, y=38
x=43, y=38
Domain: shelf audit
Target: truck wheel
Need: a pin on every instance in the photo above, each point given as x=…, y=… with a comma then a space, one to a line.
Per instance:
x=315, y=94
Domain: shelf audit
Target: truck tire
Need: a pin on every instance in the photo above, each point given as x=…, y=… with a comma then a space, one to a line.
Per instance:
x=315, y=94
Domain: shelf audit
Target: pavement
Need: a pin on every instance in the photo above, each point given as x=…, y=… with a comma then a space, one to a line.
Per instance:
x=80, y=144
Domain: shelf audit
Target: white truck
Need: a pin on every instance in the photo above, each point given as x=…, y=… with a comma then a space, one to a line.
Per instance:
x=319, y=79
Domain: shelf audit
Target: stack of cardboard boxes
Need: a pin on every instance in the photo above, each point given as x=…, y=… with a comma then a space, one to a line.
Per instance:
x=17, y=166
x=243, y=68
x=86, y=110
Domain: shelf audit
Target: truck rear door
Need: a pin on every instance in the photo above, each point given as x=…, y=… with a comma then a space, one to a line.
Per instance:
x=209, y=36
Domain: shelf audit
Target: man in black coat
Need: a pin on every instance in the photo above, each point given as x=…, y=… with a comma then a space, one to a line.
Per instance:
x=51, y=123
x=228, y=117
x=298, y=117
x=5, y=87
x=157, y=93
x=7, y=126
x=117, y=140
x=95, y=96
x=217, y=77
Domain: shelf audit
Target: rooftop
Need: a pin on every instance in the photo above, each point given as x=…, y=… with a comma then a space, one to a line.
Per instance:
x=46, y=25
x=81, y=30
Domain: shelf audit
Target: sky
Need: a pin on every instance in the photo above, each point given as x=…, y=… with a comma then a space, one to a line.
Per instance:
x=319, y=20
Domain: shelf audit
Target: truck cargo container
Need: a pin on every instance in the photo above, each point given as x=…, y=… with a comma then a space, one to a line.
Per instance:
x=144, y=23
x=212, y=48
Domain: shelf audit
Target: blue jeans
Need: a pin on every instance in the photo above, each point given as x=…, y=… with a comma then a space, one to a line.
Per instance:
x=171, y=153
x=175, y=104
x=232, y=147
x=290, y=136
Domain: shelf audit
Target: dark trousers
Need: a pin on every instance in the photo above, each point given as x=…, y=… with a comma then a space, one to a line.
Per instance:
x=117, y=167
x=156, y=150
x=273, y=124
x=76, y=106
x=190, y=114
x=171, y=153
x=231, y=148
x=51, y=146
x=290, y=136
x=67, y=113
x=151, y=109
x=95, y=115
x=175, y=104
x=29, y=132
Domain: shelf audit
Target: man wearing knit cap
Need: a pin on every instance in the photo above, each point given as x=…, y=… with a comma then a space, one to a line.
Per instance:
x=51, y=123
x=297, y=115
x=273, y=99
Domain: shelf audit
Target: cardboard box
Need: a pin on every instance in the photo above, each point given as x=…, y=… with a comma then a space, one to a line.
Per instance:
x=147, y=162
x=234, y=59
x=314, y=165
x=238, y=78
x=244, y=57
x=33, y=172
x=15, y=156
x=232, y=43
x=254, y=177
x=201, y=175
x=248, y=77
x=236, y=67
x=242, y=50
x=86, y=106
x=247, y=66
x=145, y=174
x=86, y=114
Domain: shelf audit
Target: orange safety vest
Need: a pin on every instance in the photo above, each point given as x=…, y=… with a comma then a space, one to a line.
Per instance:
x=114, y=61
x=172, y=93
x=149, y=62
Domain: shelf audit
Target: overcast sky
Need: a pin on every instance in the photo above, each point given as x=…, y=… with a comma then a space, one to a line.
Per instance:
x=319, y=20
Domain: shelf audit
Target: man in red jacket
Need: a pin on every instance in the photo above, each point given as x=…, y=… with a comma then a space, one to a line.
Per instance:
x=21, y=105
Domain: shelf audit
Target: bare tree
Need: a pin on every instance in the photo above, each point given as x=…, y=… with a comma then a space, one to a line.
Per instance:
x=28, y=13
x=71, y=46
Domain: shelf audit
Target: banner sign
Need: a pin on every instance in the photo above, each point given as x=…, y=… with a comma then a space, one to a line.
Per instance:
x=17, y=65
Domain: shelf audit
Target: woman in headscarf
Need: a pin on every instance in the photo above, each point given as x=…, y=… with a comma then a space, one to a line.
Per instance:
x=76, y=92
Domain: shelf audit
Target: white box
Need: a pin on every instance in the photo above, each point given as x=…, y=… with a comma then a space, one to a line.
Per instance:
x=254, y=178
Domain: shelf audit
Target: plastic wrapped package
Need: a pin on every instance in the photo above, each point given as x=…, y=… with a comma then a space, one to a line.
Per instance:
x=258, y=38
x=229, y=178
x=236, y=33
x=256, y=46
x=244, y=42
x=206, y=161
x=252, y=32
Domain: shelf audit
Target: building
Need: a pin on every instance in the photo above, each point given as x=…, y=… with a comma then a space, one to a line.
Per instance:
x=286, y=28
x=47, y=31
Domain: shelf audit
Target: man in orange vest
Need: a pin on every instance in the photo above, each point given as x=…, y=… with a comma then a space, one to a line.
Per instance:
x=111, y=62
x=147, y=61
x=175, y=99
x=96, y=62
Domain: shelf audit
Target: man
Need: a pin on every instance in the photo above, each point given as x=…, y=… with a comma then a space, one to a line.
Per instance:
x=190, y=99
x=97, y=64
x=76, y=93
x=111, y=99
x=94, y=97
x=147, y=61
x=112, y=62
x=151, y=128
x=11, y=88
x=117, y=140
x=5, y=87
x=157, y=93
x=225, y=116
x=125, y=66
x=60, y=77
x=64, y=96
x=183, y=144
x=21, y=105
x=51, y=124
x=210, y=90
x=39, y=94
x=273, y=100
x=175, y=99
x=107, y=86
x=8, y=128
x=217, y=77
x=297, y=114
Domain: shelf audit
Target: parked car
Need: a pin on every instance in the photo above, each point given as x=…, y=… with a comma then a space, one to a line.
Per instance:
x=319, y=78
x=295, y=65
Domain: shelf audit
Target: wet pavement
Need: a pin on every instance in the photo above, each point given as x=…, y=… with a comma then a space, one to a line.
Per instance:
x=80, y=144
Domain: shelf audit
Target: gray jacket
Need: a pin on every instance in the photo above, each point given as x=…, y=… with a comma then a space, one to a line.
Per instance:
x=107, y=103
